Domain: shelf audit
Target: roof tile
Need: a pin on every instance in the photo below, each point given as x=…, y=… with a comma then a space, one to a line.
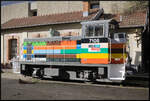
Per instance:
x=135, y=19
x=48, y=19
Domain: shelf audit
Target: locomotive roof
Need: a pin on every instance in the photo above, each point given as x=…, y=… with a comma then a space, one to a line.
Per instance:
x=58, y=38
x=99, y=21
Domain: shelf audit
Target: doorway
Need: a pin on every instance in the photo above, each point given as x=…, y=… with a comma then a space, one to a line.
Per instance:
x=12, y=48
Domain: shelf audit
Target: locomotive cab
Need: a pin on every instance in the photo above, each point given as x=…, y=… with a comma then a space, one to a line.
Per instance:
x=105, y=33
x=103, y=29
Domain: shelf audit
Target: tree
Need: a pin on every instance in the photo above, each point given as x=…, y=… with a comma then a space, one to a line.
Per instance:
x=136, y=5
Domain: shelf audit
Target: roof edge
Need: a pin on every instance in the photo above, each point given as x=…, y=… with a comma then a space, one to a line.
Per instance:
x=131, y=26
x=41, y=25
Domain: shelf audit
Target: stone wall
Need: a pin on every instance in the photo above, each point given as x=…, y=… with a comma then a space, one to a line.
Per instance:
x=54, y=7
x=115, y=6
x=18, y=10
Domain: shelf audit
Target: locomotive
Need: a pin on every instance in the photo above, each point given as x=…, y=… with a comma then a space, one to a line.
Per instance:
x=99, y=54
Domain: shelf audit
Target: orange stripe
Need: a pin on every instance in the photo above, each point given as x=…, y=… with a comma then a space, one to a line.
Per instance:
x=72, y=42
x=64, y=42
x=50, y=47
x=36, y=47
x=65, y=47
x=69, y=47
x=54, y=47
x=58, y=47
x=40, y=47
x=94, y=61
x=44, y=47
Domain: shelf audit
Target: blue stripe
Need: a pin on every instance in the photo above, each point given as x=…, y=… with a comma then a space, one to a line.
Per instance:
x=24, y=56
x=46, y=51
x=32, y=56
x=97, y=46
x=78, y=46
x=25, y=48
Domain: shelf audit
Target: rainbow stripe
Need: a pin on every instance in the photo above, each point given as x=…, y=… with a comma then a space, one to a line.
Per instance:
x=82, y=51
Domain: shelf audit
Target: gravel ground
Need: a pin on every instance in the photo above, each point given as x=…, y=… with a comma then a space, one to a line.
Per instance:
x=11, y=89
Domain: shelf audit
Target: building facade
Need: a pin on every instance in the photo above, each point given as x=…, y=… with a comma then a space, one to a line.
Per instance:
x=32, y=20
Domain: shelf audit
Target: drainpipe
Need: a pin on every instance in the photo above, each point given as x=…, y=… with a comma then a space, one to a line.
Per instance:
x=3, y=48
x=27, y=34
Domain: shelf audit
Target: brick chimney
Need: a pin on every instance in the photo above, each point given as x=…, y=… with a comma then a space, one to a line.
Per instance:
x=86, y=8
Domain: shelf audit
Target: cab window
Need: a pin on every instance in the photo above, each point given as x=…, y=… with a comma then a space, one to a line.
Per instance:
x=121, y=35
x=98, y=30
x=89, y=31
x=92, y=31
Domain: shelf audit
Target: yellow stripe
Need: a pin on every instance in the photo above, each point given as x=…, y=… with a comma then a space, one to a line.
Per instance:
x=98, y=55
x=32, y=51
x=25, y=51
x=93, y=55
x=118, y=55
x=77, y=55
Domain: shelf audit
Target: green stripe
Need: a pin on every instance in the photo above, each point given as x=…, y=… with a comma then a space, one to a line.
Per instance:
x=70, y=51
x=38, y=43
x=25, y=43
x=84, y=50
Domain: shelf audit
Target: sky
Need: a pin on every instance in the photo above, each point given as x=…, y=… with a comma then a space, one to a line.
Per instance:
x=5, y=2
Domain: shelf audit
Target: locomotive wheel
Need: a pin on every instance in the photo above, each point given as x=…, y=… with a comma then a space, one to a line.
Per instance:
x=40, y=73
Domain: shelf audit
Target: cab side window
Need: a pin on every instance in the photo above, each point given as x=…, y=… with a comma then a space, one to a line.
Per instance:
x=120, y=37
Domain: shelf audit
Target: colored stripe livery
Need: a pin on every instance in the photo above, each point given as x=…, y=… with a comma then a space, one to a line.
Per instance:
x=118, y=53
x=84, y=51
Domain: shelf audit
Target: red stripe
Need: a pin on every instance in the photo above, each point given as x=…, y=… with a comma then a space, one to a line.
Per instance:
x=98, y=49
x=121, y=61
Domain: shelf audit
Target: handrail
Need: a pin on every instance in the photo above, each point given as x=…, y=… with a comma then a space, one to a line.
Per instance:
x=64, y=54
x=110, y=50
x=123, y=53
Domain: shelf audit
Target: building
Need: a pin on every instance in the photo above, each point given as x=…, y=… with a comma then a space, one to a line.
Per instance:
x=39, y=18
x=26, y=9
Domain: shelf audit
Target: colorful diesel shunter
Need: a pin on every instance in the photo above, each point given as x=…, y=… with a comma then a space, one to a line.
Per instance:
x=98, y=54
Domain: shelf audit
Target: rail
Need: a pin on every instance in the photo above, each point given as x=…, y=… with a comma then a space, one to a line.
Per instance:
x=110, y=49
x=123, y=53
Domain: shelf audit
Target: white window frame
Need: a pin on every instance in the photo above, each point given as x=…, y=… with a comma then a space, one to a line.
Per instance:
x=94, y=31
